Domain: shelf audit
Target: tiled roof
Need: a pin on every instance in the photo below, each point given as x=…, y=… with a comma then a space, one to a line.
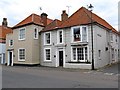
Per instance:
x=33, y=18
x=82, y=17
x=3, y=32
x=53, y=25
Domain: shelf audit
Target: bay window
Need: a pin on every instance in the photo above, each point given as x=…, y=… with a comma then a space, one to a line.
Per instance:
x=80, y=54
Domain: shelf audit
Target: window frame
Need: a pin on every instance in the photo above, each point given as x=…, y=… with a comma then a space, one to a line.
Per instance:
x=113, y=53
x=58, y=37
x=19, y=34
x=118, y=53
x=81, y=34
x=77, y=54
x=45, y=54
x=10, y=42
x=19, y=54
x=37, y=33
x=99, y=54
x=111, y=37
x=45, y=42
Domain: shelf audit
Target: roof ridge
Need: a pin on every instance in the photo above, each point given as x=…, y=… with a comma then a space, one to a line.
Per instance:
x=73, y=14
x=33, y=18
x=23, y=20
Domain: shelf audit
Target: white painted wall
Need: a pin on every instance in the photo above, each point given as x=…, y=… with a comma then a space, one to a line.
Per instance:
x=2, y=53
x=2, y=48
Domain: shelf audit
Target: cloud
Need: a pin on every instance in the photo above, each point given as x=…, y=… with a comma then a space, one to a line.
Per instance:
x=17, y=10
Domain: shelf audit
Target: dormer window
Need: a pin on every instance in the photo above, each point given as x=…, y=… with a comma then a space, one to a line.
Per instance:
x=36, y=33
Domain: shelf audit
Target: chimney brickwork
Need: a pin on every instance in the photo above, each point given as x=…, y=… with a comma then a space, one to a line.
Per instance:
x=4, y=23
x=64, y=15
x=44, y=18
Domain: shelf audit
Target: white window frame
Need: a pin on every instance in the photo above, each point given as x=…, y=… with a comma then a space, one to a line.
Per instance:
x=113, y=53
x=76, y=53
x=111, y=37
x=45, y=38
x=81, y=36
x=19, y=34
x=45, y=55
x=36, y=32
x=58, y=37
x=19, y=55
x=118, y=53
x=116, y=40
x=10, y=42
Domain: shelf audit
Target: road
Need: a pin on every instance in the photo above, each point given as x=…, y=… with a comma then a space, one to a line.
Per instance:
x=45, y=77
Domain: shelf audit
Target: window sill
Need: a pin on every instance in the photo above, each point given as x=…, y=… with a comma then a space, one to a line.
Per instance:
x=10, y=45
x=21, y=39
x=47, y=44
x=35, y=38
x=46, y=61
x=21, y=60
x=78, y=62
x=79, y=43
x=60, y=45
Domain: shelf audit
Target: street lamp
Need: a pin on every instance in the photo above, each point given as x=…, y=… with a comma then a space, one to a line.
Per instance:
x=91, y=7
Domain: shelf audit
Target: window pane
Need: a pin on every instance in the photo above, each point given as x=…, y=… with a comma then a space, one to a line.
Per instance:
x=74, y=53
x=111, y=37
x=35, y=33
x=22, y=34
x=112, y=53
x=84, y=34
x=21, y=54
x=60, y=36
x=11, y=42
x=80, y=53
x=47, y=54
x=76, y=33
x=86, y=53
x=47, y=35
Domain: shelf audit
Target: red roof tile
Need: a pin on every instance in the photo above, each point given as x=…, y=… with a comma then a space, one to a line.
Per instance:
x=3, y=32
x=33, y=18
x=53, y=25
x=81, y=17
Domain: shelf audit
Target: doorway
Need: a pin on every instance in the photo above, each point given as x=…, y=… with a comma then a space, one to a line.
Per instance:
x=10, y=58
x=60, y=58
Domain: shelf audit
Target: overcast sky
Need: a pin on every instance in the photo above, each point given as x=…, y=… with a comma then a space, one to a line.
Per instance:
x=17, y=10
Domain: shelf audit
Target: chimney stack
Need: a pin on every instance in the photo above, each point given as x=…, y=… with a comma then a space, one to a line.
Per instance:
x=4, y=23
x=64, y=15
x=44, y=18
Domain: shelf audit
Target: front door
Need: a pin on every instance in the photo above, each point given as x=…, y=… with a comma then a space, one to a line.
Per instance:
x=10, y=59
x=60, y=58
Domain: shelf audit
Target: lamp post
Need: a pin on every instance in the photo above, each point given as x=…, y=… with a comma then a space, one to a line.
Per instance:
x=91, y=7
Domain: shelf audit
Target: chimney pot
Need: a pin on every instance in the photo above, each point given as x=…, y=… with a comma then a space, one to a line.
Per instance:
x=4, y=23
x=44, y=18
x=64, y=15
